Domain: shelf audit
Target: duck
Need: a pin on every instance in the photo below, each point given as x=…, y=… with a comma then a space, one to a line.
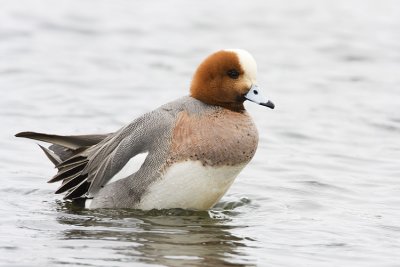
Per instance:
x=184, y=154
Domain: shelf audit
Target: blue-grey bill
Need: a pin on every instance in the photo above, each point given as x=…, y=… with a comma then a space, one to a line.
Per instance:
x=255, y=95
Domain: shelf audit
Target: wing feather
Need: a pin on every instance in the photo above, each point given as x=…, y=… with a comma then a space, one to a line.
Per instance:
x=86, y=163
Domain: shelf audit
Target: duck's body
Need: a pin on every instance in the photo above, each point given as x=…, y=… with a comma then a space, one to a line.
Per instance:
x=185, y=154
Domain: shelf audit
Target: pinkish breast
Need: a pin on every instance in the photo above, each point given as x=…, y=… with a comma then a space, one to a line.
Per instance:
x=220, y=138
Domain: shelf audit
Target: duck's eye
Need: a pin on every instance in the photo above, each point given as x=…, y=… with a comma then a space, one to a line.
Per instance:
x=234, y=74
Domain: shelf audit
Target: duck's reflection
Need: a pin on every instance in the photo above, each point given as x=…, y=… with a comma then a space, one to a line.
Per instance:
x=169, y=238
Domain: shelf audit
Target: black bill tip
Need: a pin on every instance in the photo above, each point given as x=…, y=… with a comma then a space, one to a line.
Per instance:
x=268, y=104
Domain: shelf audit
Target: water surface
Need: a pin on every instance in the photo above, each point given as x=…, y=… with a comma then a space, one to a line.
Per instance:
x=323, y=188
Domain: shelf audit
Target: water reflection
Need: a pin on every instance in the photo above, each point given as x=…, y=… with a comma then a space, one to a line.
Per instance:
x=170, y=237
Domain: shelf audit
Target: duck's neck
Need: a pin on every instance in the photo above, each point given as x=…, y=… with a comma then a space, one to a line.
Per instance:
x=236, y=107
x=233, y=106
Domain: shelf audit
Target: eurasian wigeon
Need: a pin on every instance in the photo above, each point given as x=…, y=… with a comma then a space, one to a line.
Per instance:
x=185, y=154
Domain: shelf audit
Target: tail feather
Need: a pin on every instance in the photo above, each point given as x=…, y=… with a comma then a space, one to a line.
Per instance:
x=78, y=191
x=70, y=184
x=72, y=165
x=67, y=153
x=62, y=152
x=68, y=173
x=68, y=141
x=72, y=161
x=51, y=155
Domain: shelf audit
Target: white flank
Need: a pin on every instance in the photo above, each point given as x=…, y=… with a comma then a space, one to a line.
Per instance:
x=190, y=185
x=132, y=166
x=87, y=203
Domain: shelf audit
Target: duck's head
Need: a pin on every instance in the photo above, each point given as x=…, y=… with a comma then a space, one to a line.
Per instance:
x=227, y=78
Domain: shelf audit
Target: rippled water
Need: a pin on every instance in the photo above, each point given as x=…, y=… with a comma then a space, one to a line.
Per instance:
x=323, y=188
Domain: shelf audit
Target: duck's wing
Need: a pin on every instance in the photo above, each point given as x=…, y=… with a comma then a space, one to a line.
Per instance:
x=92, y=164
x=150, y=133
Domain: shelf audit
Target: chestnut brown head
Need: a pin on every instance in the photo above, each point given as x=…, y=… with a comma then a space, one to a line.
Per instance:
x=227, y=78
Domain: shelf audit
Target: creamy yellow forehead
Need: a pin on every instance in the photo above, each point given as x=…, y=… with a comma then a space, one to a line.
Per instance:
x=247, y=62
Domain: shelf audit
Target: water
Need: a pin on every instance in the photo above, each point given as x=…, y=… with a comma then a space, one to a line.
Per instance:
x=323, y=188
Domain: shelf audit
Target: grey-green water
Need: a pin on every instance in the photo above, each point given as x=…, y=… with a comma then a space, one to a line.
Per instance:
x=323, y=188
